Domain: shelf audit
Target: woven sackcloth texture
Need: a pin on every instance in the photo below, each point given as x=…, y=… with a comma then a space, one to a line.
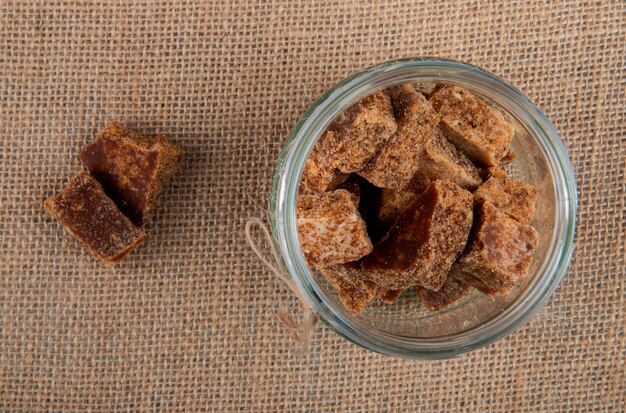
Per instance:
x=188, y=322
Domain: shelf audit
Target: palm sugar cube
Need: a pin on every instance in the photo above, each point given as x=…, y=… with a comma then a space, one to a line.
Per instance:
x=318, y=176
x=354, y=292
x=391, y=205
x=358, y=133
x=427, y=237
x=452, y=291
x=131, y=169
x=396, y=163
x=509, y=195
x=349, y=143
x=91, y=217
x=393, y=202
x=499, y=253
x=474, y=127
x=441, y=160
x=331, y=229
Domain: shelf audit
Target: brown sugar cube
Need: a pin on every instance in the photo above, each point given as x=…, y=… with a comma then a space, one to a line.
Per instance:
x=424, y=241
x=396, y=163
x=358, y=133
x=392, y=203
x=131, y=169
x=331, y=229
x=474, y=127
x=499, y=252
x=318, y=176
x=452, y=291
x=441, y=160
x=94, y=220
x=355, y=294
x=509, y=195
x=349, y=142
x=390, y=296
x=419, y=183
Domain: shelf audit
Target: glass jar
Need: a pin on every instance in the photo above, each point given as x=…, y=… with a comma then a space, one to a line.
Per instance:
x=407, y=329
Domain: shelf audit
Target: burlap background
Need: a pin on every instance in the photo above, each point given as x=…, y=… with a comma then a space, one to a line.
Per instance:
x=188, y=321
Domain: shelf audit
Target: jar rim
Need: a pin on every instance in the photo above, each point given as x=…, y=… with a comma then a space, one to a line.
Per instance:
x=313, y=123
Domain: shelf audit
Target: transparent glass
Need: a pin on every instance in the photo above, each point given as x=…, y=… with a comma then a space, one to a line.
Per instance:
x=407, y=329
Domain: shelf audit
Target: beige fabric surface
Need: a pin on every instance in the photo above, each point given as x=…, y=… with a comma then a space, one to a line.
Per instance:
x=188, y=322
